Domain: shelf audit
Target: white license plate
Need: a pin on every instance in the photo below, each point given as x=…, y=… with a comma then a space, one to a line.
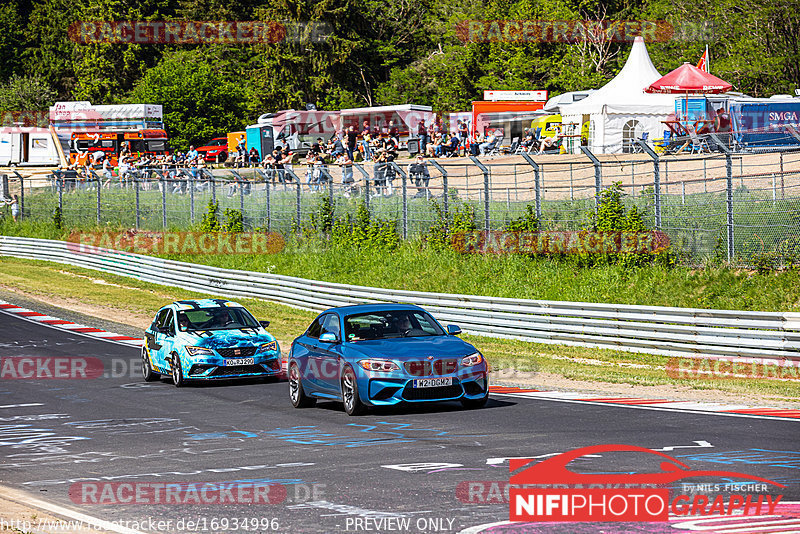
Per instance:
x=433, y=382
x=239, y=361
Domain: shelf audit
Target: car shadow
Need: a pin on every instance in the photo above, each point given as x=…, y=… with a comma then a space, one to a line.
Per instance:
x=417, y=408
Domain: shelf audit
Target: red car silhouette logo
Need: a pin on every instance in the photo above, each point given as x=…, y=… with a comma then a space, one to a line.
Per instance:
x=554, y=470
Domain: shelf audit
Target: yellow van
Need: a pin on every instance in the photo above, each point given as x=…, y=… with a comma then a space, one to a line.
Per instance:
x=548, y=125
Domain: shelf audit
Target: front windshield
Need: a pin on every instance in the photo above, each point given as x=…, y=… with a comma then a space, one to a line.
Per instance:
x=390, y=324
x=216, y=319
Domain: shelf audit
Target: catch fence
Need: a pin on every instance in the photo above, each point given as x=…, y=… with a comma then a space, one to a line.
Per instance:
x=735, y=207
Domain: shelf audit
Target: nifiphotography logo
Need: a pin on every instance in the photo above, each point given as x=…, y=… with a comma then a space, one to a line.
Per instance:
x=548, y=491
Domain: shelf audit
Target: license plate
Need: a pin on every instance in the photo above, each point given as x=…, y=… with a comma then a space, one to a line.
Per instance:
x=239, y=361
x=432, y=382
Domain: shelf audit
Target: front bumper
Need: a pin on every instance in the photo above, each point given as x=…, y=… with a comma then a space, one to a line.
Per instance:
x=214, y=368
x=389, y=388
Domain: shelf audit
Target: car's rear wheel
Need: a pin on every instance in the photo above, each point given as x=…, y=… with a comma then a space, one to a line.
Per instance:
x=296, y=392
x=352, y=403
x=147, y=369
x=177, y=372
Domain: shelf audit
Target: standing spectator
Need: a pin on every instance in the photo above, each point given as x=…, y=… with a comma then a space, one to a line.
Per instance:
x=419, y=175
x=366, y=136
x=192, y=154
x=423, y=136
x=351, y=141
x=347, y=172
x=13, y=202
x=107, y=174
x=463, y=132
x=394, y=131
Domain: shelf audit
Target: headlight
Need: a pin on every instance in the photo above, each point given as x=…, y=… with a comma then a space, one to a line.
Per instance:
x=267, y=347
x=384, y=366
x=472, y=359
x=199, y=351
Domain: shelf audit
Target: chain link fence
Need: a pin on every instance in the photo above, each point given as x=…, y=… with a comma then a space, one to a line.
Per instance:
x=732, y=207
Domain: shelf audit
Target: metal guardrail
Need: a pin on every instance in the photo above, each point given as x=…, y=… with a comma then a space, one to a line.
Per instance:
x=648, y=329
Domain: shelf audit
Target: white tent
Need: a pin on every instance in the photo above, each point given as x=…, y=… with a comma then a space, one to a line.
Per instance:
x=621, y=111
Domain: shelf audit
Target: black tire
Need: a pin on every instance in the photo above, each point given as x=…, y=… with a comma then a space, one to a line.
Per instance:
x=177, y=372
x=352, y=404
x=222, y=157
x=147, y=370
x=473, y=404
x=296, y=393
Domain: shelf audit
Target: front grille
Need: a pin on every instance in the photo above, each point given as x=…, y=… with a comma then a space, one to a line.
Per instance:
x=427, y=367
x=230, y=352
x=237, y=370
x=441, y=393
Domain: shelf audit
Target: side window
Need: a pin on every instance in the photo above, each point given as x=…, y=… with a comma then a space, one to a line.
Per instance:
x=316, y=327
x=331, y=324
x=426, y=324
x=160, y=318
x=165, y=321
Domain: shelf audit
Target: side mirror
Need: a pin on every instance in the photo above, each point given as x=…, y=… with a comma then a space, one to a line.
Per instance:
x=453, y=330
x=264, y=323
x=328, y=337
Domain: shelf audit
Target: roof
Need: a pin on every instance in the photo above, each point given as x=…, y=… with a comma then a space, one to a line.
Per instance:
x=625, y=93
x=205, y=303
x=367, y=308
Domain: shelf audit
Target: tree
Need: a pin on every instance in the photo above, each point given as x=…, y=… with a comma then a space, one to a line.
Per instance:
x=26, y=93
x=200, y=101
x=11, y=40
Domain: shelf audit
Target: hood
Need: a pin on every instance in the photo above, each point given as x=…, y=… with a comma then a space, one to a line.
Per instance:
x=227, y=338
x=412, y=348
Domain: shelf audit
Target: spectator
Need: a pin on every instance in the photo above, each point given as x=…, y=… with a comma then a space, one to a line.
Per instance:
x=463, y=132
x=253, y=157
x=335, y=147
x=722, y=122
x=107, y=174
x=423, y=137
x=351, y=141
x=390, y=147
x=366, y=136
x=316, y=148
x=549, y=142
x=451, y=148
x=528, y=141
x=192, y=154
x=347, y=172
x=487, y=144
x=419, y=175
x=13, y=202
x=394, y=131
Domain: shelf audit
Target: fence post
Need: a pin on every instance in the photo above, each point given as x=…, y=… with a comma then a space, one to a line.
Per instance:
x=403, y=176
x=297, y=204
x=446, y=193
x=485, y=172
x=571, y=192
x=365, y=174
x=266, y=190
x=163, y=182
x=729, y=204
x=537, y=184
x=190, y=181
x=598, y=176
x=656, y=182
x=99, y=186
x=60, y=186
x=683, y=193
x=21, y=194
x=633, y=178
x=782, y=181
x=136, y=194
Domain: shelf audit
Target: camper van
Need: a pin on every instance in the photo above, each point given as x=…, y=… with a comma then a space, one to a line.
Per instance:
x=299, y=130
x=28, y=146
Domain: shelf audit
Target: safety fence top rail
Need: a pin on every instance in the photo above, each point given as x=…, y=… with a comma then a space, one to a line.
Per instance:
x=654, y=329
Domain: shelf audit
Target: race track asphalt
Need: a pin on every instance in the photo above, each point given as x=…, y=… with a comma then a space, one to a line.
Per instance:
x=399, y=464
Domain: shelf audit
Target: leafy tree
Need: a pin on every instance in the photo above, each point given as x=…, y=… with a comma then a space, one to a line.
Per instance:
x=26, y=93
x=199, y=101
x=11, y=39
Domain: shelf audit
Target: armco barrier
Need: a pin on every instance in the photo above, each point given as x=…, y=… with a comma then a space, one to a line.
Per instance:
x=648, y=329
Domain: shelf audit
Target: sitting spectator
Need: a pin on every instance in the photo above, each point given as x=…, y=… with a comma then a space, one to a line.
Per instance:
x=253, y=157
x=488, y=144
x=451, y=148
x=549, y=142
x=390, y=147
x=528, y=141
x=435, y=146
x=335, y=147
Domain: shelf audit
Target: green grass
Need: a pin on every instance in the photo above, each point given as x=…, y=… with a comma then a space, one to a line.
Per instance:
x=125, y=298
x=414, y=267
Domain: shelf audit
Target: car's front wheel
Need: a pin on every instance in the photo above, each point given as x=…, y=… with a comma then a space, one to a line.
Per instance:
x=177, y=372
x=352, y=403
x=472, y=404
x=296, y=392
x=147, y=369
